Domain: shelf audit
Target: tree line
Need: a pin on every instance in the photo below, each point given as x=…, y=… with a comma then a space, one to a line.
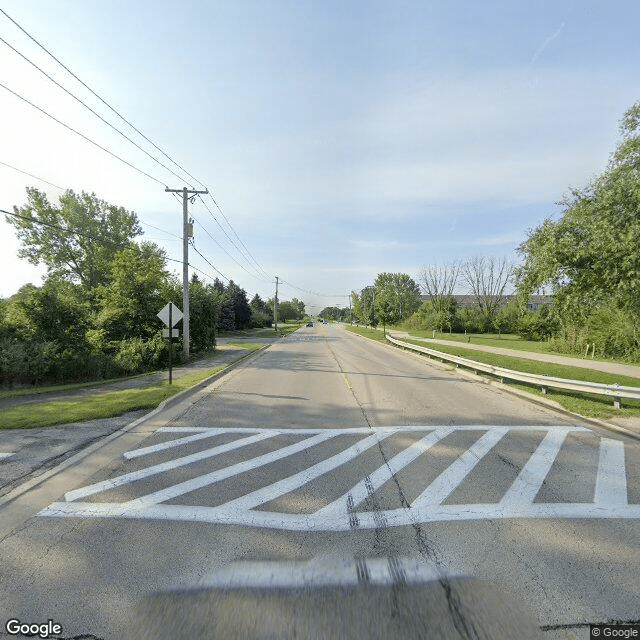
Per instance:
x=95, y=314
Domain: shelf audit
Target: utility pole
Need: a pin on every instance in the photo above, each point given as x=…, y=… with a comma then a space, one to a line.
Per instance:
x=275, y=307
x=187, y=232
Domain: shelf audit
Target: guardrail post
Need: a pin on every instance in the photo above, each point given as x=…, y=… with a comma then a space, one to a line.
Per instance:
x=616, y=403
x=544, y=390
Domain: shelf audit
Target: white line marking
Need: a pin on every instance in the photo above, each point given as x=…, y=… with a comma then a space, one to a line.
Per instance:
x=449, y=479
x=297, y=480
x=526, y=486
x=136, y=453
x=215, y=476
x=4, y=456
x=360, y=492
x=322, y=572
x=611, y=481
x=367, y=430
x=165, y=466
x=301, y=522
x=610, y=499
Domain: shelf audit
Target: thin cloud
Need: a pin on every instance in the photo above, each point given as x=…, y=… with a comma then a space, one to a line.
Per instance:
x=545, y=44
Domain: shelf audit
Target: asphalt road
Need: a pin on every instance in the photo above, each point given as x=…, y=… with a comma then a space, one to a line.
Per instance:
x=333, y=487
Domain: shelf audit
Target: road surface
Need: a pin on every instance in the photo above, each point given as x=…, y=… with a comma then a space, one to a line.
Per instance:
x=334, y=487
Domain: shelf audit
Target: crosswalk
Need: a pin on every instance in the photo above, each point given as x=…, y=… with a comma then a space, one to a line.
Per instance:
x=160, y=489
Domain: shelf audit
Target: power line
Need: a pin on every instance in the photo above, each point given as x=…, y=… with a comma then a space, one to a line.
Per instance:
x=238, y=263
x=114, y=110
x=86, y=106
x=86, y=86
x=207, y=261
x=81, y=134
x=315, y=293
x=229, y=238
x=130, y=124
x=26, y=173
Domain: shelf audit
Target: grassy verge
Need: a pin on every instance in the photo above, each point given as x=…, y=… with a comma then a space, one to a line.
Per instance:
x=368, y=333
x=243, y=344
x=585, y=404
x=103, y=405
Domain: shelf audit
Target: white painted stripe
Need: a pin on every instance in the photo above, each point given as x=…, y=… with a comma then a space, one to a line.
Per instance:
x=297, y=480
x=301, y=522
x=526, y=486
x=221, y=474
x=210, y=433
x=4, y=456
x=394, y=428
x=611, y=481
x=360, y=492
x=165, y=466
x=453, y=476
x=319, y=572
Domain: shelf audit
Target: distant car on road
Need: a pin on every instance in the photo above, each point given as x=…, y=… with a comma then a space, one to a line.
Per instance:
x=309, y=324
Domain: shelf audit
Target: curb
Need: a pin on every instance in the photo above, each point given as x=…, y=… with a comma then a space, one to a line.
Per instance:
x=547, y=404
x=169, y=402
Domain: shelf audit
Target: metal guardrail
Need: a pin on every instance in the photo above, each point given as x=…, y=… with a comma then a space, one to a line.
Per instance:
x=615, y=391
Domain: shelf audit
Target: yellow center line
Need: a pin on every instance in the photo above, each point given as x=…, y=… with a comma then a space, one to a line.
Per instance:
x=347, y=381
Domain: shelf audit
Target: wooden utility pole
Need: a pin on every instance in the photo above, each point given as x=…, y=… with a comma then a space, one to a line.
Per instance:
x=275, y=307
x=187, y=232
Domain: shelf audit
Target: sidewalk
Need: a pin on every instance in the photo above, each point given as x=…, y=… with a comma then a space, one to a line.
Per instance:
x=597, y=365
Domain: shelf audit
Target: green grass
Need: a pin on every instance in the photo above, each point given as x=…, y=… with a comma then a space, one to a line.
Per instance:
x=103, y=405
x=368, y=333
x=585, y=404
x=505, y=340
x=252, y=346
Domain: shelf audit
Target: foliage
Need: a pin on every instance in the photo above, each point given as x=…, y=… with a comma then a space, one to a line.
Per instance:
x=78, y=239
x=590, y=255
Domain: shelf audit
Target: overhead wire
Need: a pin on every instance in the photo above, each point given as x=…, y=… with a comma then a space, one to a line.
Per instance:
x=86, y=106
x=31, y=175
x=228, y=237
x=130, y=124
x=93, y=142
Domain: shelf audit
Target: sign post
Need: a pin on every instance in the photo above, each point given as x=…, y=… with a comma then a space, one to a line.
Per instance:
x=170, y=315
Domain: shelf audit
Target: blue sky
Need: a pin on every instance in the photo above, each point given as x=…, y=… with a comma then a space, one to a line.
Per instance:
x=340, y=139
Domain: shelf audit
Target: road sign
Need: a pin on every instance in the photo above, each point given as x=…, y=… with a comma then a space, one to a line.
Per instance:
x=175, y=333
x=176, y=314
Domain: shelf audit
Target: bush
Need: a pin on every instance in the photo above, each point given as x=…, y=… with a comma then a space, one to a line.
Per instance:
x=614, y=332
x=537, y=325
x=135, y=354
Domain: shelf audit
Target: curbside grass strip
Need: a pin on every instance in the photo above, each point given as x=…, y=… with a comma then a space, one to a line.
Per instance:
x=543, y=402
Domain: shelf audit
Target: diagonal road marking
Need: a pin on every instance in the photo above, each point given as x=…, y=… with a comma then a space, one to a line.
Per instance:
x=526, y=486
x=4, y=456
x=449, y=479
x=610, y=499
x=348, y=502
x=210, y=433
x=297, y=480
x=215, y=476
x=165, y=466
